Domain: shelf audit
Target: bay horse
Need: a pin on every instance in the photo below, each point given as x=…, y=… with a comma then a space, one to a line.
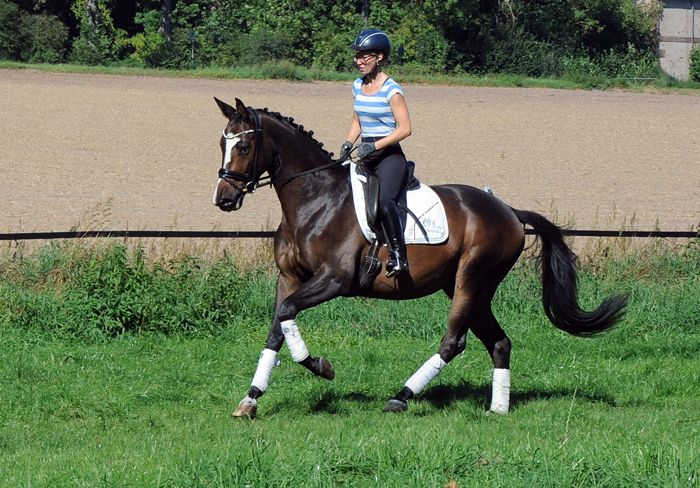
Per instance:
x=319, y=250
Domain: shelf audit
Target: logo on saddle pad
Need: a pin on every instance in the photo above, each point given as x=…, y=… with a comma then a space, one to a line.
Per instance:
x=423, y=203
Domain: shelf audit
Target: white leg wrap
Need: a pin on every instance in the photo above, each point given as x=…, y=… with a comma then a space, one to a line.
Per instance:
x=267, y=361
x=296, y=344
x=427, y=372
x=500, y=400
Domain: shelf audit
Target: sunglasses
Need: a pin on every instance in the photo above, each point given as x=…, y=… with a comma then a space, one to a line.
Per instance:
x=364, y=58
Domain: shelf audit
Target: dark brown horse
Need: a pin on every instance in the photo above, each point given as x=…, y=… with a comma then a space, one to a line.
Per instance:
x=319, y=248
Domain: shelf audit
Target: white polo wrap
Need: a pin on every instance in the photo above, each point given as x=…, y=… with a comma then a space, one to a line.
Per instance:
x=267, y=361
x=427, y=372
x=296, y=344
x=500, y=400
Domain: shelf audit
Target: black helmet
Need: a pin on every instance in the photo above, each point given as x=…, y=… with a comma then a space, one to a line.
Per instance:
x=372, y=40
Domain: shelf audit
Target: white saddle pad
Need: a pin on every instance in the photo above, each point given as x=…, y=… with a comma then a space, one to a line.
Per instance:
x=422, y=201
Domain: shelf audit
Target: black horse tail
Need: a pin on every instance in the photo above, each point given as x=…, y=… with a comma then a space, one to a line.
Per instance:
x=560, y=283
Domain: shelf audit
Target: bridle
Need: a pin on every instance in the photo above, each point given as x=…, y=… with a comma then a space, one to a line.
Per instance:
x=250, y=179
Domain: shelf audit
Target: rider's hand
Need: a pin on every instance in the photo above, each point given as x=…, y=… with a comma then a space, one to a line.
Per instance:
x=345, y=151
x=365, y=149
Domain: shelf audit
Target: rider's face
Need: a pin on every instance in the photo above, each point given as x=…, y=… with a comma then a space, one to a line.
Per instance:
x=366, y=61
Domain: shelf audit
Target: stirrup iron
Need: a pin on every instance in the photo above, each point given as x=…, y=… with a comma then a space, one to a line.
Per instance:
x=395, y=265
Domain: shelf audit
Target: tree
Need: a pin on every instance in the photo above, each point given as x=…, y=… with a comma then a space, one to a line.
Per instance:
x=166, y=25
x=92, y=20
x=95, y=44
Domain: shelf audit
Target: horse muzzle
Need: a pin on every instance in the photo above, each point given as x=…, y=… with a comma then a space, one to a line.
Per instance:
x=227, y=204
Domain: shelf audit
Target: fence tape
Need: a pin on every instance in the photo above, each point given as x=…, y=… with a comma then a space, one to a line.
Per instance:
x=25, y=236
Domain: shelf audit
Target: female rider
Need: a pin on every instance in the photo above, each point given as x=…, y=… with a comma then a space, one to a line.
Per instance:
x=381, y=117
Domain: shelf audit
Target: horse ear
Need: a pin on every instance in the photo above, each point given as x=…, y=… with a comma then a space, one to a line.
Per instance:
x=240, y=106
x=226, y=109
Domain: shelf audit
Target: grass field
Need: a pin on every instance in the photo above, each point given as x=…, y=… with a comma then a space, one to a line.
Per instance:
x=122, y=370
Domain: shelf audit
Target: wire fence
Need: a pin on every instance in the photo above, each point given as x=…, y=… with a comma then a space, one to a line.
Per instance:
x=25, y=236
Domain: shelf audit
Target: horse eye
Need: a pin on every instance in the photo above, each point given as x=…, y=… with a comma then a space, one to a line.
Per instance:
x=244, y=150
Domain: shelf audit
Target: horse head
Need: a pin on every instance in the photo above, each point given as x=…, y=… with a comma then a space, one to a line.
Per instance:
x=241, y=144
x=289, y=151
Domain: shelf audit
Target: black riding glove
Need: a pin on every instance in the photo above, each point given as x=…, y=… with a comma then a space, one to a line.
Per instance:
x=365, y=149
x=345, y=151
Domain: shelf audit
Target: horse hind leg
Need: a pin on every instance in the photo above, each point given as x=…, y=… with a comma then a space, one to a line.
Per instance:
x=498, y=345
x=453, y=343
x=465, y=315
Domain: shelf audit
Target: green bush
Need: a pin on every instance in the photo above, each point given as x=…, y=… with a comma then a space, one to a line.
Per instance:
x=38, y=38
x=151, y=50
x=227, y=55
x=695, y=64
x=261, y=46
x=333, y=50
x=99, y=293
x=282, y=70
x=423, y=45
x=614, y=64
x=91, y=50
x=48, y=39
x=521, y=54
x=11, y=35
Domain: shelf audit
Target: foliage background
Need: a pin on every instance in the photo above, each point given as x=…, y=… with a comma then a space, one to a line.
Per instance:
x=554, y=38
x=695, y=64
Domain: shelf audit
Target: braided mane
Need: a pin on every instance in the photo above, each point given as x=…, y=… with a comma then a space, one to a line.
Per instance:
x=298, y=127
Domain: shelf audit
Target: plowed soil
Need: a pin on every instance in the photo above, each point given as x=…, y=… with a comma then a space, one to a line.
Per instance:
x=117, y=152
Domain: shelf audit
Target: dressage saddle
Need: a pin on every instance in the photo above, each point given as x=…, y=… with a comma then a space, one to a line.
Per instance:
x=371, y=265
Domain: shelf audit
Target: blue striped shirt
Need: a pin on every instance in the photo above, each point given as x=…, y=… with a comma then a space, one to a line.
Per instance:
x=374, y=111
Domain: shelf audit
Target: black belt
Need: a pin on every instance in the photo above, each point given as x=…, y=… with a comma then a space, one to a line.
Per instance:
x=371, y=139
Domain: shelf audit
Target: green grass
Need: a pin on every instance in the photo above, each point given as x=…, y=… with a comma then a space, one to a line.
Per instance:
x=285, y=70
x=149, y=403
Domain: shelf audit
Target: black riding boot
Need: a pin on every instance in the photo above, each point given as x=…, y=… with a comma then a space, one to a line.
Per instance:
x=397, y=262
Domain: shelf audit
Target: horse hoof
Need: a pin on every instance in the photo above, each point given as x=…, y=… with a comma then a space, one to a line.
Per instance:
x=327, y=370
x=497, y=411
x=395, y=406
x=247, y=408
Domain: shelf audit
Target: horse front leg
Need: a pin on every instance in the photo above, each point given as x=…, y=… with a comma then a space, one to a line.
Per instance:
x=248, y=407
x=321, y=288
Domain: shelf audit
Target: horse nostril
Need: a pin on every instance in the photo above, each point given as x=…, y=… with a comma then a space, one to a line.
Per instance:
x=229, y=204
x=225, y=204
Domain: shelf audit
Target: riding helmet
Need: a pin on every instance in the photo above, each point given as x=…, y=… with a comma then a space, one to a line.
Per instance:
x=372, y=40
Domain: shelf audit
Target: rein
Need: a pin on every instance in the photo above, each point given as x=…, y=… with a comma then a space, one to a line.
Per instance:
x=252, y=183
x=296, y=175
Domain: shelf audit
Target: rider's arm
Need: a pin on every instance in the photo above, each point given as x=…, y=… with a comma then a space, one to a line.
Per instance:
x=355, y=129
x=403, y=122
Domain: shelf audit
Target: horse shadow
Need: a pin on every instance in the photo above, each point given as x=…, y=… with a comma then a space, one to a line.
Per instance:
x=442, y=396
x=333, y=402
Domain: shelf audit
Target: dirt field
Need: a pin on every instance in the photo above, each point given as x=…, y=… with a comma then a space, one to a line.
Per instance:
x=117, y=152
